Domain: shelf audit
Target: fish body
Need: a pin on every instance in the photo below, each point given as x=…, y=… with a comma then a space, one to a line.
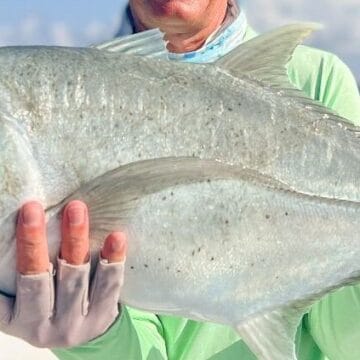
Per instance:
x=240, y=199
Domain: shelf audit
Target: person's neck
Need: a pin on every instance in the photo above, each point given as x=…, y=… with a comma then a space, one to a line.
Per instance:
x=181, y=39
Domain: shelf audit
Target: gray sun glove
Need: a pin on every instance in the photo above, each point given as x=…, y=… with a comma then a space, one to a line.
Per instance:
x=68, y=316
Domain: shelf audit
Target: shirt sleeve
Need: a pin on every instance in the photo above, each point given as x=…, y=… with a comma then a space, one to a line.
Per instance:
x=135, y=335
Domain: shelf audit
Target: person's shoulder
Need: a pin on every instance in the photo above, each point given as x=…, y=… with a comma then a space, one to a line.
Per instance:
x=309, y=63
x=324, y=77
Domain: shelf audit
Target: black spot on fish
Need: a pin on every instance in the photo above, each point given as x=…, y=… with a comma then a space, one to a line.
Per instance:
x=286, y=213
x=276, y=277
x=199, y=248
x=159, y=259
x=146, y=265
x=252, y=264
x=226, y=222
x=172, y=194
x=230, y=109
x=208, y=180
x=139, y=155
x=193, y=253
x=212, y=258
x=131, y=267
x=193, y=154
x=239, y=104
x=69, y=83
x=167, y=268
x=164, y=198
x=267, y=216
x=178, y=271
x=230, y=267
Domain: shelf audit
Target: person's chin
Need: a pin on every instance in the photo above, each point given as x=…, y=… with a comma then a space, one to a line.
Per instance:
x=180, y=9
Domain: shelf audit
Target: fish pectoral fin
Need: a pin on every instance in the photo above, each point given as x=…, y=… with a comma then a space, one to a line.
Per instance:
x=271, y=336
x=264, y=58
x=112, y=197
x=148, y=43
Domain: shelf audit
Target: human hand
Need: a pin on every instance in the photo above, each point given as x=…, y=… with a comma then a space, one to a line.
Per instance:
x=68, y=316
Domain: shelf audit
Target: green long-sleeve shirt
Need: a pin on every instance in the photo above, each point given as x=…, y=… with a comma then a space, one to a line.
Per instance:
x=330, y=331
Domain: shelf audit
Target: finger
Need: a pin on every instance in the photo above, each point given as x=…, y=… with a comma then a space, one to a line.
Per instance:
x=34, y=298
x=115, y=247
x=31, y=245
x=71, y=291
x=105, y=293
x=75, y=233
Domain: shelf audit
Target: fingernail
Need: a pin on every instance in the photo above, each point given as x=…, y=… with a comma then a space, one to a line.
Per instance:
x=116, y=242
x=115, y=247
x=76, y=214
x=32, y=214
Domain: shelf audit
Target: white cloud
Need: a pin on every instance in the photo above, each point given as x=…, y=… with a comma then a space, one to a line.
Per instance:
x=33, y=30
x=29, y=27
x=61, y=34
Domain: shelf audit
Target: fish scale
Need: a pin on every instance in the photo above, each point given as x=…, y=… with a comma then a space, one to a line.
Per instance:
x=224, y=177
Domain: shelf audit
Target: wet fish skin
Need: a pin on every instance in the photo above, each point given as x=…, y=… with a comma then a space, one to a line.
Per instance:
x=59, y=103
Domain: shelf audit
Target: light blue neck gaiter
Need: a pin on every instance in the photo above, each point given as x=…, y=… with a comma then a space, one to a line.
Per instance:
x=230, y=35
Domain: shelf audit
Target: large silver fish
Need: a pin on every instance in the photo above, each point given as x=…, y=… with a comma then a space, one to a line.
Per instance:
x=224, y=177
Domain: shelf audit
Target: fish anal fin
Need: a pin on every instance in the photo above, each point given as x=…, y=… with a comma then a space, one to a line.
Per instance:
x=271, y=336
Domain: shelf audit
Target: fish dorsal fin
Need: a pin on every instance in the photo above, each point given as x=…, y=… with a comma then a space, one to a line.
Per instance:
x=271, y=335
x=148, y=43
x=264, y=58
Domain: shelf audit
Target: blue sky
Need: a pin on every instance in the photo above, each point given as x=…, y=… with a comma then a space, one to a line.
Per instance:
x=76, y=13
x=64, y=22
x=81, y=22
